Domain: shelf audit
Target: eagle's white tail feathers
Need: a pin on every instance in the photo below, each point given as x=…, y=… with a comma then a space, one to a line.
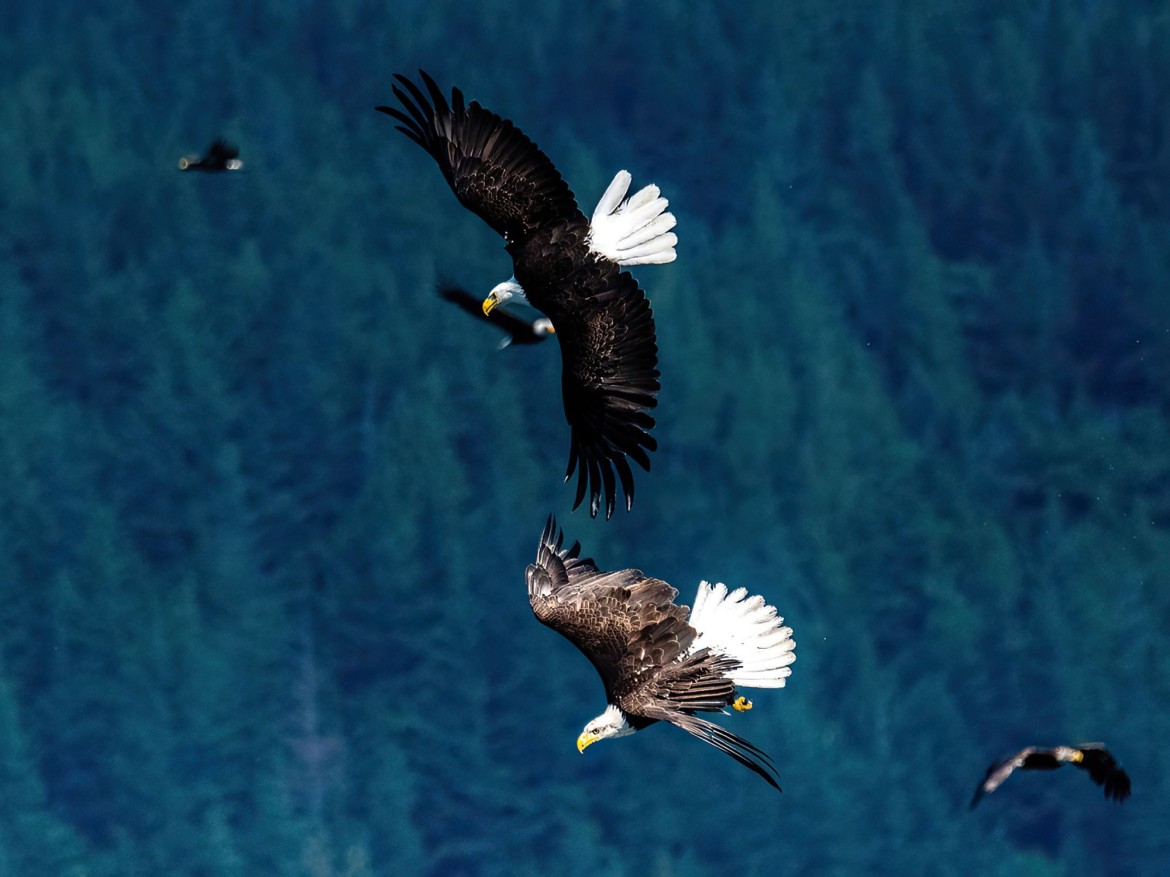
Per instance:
x=746, y=629
x=633, y=231
x=613, y=195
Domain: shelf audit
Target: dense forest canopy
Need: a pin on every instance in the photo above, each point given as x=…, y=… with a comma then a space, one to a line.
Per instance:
x=267, y=502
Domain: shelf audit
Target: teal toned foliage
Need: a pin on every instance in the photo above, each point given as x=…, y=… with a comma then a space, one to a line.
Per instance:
x=266, y=503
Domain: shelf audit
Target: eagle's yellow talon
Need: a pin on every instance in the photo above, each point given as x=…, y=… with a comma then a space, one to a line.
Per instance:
x=741, y=704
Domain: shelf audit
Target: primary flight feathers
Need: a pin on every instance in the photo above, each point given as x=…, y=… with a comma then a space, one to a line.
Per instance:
x=567, y=268
x=657, y=660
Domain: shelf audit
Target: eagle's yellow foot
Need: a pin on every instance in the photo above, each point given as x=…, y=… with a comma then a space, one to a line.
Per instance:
x=741, y=704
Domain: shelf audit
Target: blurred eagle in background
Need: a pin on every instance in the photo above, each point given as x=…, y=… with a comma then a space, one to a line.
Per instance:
x=220, y=156
x=1094, y=758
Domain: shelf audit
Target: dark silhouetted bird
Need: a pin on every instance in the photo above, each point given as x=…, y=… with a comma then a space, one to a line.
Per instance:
x=1093, y=757
x=221, y=156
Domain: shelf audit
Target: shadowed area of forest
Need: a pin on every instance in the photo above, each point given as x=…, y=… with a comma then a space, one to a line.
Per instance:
x=267, y=502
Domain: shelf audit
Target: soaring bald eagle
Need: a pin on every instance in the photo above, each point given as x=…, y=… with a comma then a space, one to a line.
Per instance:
x=221, y=156
x=519, y=331
x=661, y=662
x=1102, y=767
x=566, y=266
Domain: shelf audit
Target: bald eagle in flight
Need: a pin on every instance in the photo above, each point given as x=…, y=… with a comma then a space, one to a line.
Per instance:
x=1102, y=767
x=518, y=330
x=661, y=662
x=566, y=266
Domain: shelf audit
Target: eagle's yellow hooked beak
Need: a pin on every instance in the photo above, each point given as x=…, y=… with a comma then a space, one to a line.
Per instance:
x=489, y=304
x=586, y=739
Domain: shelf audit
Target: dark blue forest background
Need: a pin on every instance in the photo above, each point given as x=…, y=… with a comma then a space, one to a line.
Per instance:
x=266, y=503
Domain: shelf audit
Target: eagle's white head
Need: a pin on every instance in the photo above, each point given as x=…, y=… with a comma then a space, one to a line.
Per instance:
x=611, y=723
x=502, y=292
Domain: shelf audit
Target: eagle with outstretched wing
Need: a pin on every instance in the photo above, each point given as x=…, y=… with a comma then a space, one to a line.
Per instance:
x=659, y=661
x=567, y=266
x=1093, y=758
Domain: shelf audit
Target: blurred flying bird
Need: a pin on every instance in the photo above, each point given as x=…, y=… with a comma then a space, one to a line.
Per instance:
x=659, y=661
x=221, y=156
x=566, y=266
x=1093, y=757
x=519, y=330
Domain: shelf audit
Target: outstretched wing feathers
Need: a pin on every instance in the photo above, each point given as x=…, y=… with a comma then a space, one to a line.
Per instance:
x=413, y=126
x=725, y=741
x=626, y=477
x=557, y=566
x=999, y=771
x=1093, y=758
x=1104, y=770
x=609, y=383
x=601, y=613
x=492, y=167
